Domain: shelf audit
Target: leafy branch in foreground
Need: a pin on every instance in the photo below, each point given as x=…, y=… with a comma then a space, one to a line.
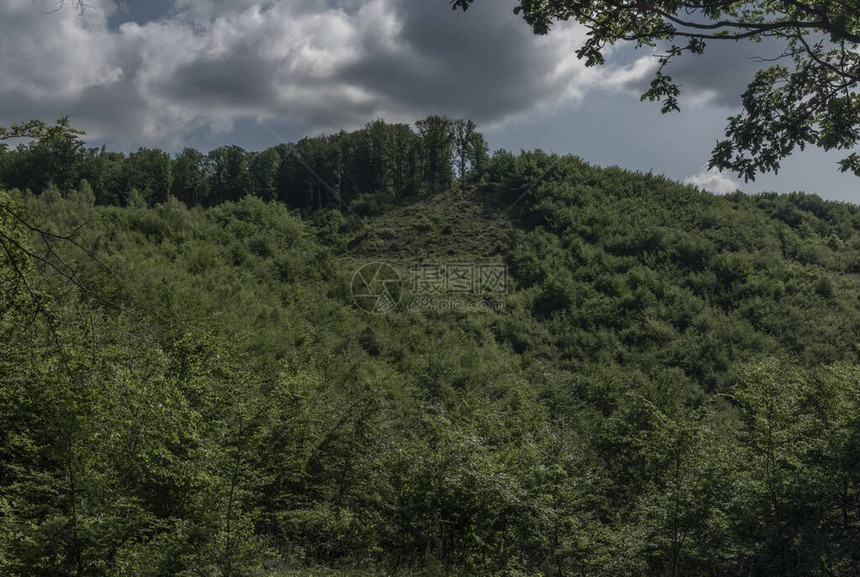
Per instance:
x=39, y=130
x=16, y=252
x=812, y=102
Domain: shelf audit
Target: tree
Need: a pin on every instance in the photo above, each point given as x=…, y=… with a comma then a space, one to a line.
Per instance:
x=54, y=154
x=191, y=177
x=308, y=171
x=470, y=149
x=229, y=173
x=387, y=148
x=105, y=171
x=438, y=140
x=38, y=130
x=263, y=173
x=796, y=441
x=812, y=100
x=17, y=255
x=148, y=170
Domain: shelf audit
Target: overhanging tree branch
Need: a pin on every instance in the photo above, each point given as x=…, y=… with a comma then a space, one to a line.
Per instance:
x=812, y=102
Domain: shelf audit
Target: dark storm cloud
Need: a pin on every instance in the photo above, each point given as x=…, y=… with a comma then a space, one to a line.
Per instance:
x=239, y=78
x=483, y=64
x=139, y=12
x=331, y=64
x=721, y=74
x=725, y=69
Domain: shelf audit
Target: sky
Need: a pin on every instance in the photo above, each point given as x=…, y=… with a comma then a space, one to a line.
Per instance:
x=204, y=73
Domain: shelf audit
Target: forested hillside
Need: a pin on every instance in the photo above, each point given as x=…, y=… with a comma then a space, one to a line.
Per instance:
x=650, y=380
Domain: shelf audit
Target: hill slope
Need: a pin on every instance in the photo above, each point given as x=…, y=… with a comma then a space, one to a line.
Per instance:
x=665, y=382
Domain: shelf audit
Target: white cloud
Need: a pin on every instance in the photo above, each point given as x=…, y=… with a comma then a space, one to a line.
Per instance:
x=712, y=180
x=51, y=55
x=633, y=76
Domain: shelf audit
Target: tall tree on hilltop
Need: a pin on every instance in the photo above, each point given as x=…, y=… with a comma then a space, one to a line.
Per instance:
x=437, y=136
x=263, y=172
x=229, y=178
x=470, y=149
x=191, y=174
x=148, y=171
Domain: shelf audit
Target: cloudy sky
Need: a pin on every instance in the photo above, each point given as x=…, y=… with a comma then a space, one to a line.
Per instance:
x=202, y=73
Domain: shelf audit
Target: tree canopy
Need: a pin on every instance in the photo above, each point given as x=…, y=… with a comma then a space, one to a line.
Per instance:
x=671, y=388
x=806, y=97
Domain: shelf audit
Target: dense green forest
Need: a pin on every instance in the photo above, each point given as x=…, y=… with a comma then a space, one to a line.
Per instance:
x=666, y=382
